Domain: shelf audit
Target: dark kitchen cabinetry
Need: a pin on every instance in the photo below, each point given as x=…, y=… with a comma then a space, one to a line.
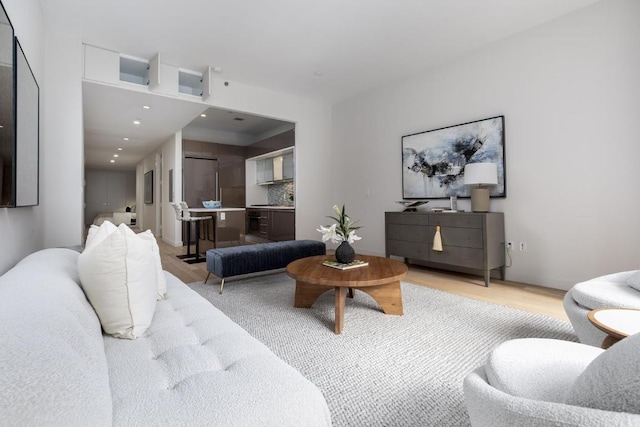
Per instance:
x=271, y=224
x=229, y=176
x=282, y=225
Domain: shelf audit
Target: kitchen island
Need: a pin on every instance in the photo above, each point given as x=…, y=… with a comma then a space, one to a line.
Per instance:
x=226, y=227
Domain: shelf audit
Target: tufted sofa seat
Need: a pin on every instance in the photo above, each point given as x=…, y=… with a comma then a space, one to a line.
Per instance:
x=193, y=366
x=612, y=290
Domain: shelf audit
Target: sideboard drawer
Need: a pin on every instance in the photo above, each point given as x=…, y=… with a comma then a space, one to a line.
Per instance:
x=407, y=249
x=408, y=218
x=454, y=255
x=456, y=220
x=410, y=233
x=453, y=236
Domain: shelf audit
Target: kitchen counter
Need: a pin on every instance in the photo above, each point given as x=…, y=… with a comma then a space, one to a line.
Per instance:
x=207, y=210
x=280, y=207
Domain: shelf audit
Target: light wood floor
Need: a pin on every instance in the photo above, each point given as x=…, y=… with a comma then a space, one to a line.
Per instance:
x=534, y=299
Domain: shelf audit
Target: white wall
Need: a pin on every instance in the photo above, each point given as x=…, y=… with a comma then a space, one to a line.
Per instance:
x=171, y=159
x=62, y=151
x=569, y=92
x=21, y=228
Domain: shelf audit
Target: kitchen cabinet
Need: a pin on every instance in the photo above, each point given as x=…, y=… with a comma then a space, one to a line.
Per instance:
x=282, y=225
x=287, y=166
x=275, y=169
x=194, y=83
x=264, y=171
x=272, y=224
x=111, y=67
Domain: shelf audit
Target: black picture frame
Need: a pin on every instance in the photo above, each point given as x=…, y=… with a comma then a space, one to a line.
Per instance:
x=433, y=161
x=148, y=188
x=27, y=132
x=7, y=111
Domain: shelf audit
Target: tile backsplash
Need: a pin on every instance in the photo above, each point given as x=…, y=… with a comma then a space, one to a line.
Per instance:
x=280, y=194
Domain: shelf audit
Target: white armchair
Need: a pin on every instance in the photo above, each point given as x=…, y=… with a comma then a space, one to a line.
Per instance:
x=544, y=382
x=613, y=290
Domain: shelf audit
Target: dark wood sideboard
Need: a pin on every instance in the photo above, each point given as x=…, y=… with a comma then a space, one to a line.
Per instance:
x=469, y=240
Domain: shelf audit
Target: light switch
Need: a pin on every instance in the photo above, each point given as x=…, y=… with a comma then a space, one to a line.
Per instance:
x=222, y=216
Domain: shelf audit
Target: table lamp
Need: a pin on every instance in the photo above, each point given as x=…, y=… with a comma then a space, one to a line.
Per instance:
x=480, y=175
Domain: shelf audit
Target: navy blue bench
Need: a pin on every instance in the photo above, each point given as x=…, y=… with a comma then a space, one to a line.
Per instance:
x=237, y=260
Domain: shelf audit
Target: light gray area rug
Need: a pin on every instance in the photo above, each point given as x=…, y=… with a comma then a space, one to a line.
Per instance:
x=382, y=370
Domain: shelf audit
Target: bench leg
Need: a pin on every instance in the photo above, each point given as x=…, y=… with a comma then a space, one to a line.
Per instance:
x=208, y=274
x=221, y=286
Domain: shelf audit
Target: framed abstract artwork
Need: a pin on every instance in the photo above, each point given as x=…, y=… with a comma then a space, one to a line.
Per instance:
x=433, y=161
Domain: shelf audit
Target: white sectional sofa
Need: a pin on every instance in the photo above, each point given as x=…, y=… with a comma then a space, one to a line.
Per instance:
x=193, y=366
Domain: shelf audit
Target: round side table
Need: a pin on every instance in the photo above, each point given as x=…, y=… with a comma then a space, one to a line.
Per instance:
x=618, y=323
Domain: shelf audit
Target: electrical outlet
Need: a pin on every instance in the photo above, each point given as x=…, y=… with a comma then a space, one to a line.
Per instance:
x=523, y=246
x=509, y=246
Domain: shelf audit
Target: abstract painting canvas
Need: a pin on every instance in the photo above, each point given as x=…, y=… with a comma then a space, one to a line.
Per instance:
x=433, y=161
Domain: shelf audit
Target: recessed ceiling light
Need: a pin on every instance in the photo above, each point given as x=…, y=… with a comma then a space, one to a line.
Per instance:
x=146, y=107
x=112, y=161
x=136, y=122
x=1, y=127
x=318, y=73
x=119, y=148
x=125, y=138
x=203, y=115
x=115, y=155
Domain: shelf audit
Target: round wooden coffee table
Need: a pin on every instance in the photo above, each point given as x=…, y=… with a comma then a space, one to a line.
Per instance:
x=380, y=279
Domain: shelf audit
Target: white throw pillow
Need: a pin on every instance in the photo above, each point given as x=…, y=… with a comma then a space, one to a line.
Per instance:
x=119, y=277
x=97, y=234
x=148, y=237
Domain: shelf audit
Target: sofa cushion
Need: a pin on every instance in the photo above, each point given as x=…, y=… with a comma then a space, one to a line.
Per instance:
x=634, y=280
x=612, y=381
x=606, y=291
x=194, y=367
x=53, y=369
x=536, y=368
x=119, y=277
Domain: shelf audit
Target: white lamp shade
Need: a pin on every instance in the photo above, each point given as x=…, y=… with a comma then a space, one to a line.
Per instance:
x=481, y=174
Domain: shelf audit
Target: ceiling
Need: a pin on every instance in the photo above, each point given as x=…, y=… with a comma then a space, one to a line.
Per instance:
x=328, y=50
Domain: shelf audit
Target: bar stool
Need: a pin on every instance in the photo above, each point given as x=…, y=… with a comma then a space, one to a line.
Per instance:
x=182, y=214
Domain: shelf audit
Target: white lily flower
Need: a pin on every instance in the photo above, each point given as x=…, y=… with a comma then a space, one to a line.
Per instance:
x=352, y=237
x=329, y=233
x=344, y=230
